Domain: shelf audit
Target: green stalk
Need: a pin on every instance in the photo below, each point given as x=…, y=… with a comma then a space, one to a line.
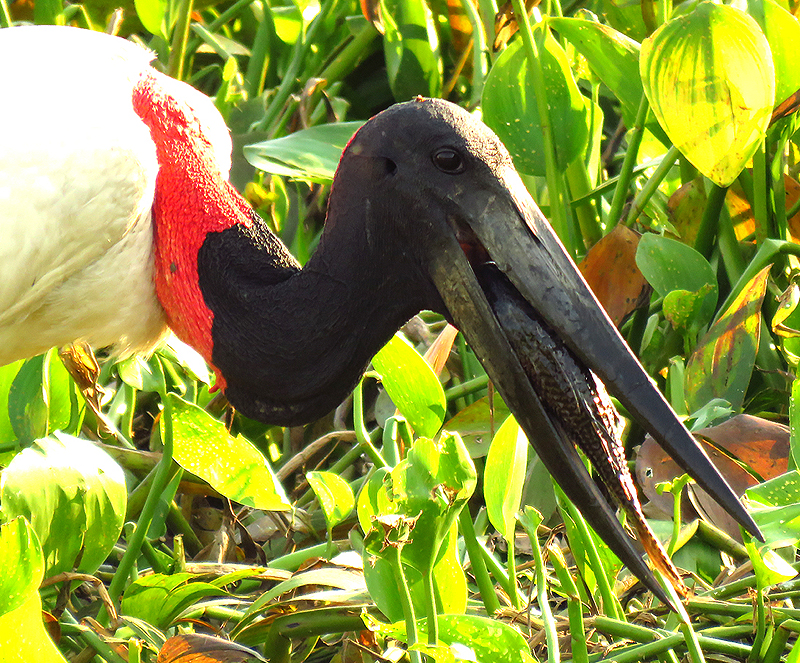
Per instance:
x=704, y=243
x=5, y=15
x=180, y=38
x=628, y=164
x=530, y=522
x=289, y=80
x=266, y=41
x=480, y=52
x=511, y=569
x=729, y=246
x=343, y=63
x=160, y=480
x=652, y=184
x=466, y=388
x=555, y=188
x=577, y=628
x=478, y=563
x=92, y=639
x=760, y=196
x=611, y=603
x=362, y=435
x=407, y=604
x=761, y=626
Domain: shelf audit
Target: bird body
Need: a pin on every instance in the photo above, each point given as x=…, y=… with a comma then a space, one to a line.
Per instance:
x=117, y=219
x=78, y=183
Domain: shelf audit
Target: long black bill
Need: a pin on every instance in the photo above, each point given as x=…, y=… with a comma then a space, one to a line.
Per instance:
x=514, y=235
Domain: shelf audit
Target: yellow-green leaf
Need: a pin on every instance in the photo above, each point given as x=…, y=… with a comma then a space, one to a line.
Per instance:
x=710, y=81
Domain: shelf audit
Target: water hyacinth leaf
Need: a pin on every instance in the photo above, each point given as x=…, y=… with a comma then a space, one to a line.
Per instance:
x=153, y=15
x=7, y=375
x=709, y=78
x=504, y=476
x=411, y=48
x=510, y=108
x=412, y=385
x=334, y=494
x=39, y=398
x=22, y=633
x=670, y=265
x=73, y=494
x=231, y=465
x=721, y=365
x=470, y=638
x=478, y=422
x=612, y=56
x=782, y=31
x=159, y=599
x=311, y=154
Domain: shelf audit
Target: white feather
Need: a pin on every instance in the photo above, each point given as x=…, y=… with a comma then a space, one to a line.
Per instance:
x=77, y=177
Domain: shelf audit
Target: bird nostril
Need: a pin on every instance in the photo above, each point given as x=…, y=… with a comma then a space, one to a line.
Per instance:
x=391, y=166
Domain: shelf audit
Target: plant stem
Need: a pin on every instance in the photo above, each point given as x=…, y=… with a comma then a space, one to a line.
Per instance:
x=478, y=563
x=629, y=162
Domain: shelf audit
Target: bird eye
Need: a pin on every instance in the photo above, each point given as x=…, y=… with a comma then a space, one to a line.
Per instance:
x=448, y=160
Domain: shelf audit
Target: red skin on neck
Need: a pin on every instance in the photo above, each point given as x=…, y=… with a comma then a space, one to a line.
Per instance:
x=192, y=199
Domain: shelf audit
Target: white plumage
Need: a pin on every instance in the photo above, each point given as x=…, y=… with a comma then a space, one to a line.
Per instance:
x=77, y=179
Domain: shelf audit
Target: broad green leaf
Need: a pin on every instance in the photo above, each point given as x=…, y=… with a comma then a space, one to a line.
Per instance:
x=22, y=633
x=510, y=108
x=411, y=49
x=334, y=494
x=73, y=494
x=153, y=15
x=159, y=599
x=426, y=492
x=710, y=81
x=721, y=365
x=683, y=278
x=768, y=567
x=39, y=398
x=782, y=31
x=311, y=154
x=412, y=385
x=794, y=427
x=612, y=56
x=471, y=638
x=477, y=423
x=232, y=465
x=7, y=375
x=778, y=512
x=504, y=476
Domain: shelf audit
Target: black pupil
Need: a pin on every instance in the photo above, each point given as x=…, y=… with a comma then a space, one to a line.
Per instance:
x=448, y=160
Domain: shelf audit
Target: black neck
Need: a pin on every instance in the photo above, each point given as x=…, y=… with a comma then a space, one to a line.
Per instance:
x=291, y=343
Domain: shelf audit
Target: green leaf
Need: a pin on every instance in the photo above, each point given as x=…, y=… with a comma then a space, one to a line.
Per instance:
x=612, y=57
x=22, y=633
x=471, y=637
x=510, y=108
x=723, y=362
x=334, y=494
x=782, y=31
x=504, y=476
x=411, y=49
x=159, y=599
x=669, y=265
x=710, y=81
x=74, y=495
x=7, y=375
x=153, y=15
x=231, y=465
x=477, y=423
x=311, y=154
x=38, y=399
x=412, y=385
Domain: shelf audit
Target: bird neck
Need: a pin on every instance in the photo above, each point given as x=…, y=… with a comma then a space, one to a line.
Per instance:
x=287, y=345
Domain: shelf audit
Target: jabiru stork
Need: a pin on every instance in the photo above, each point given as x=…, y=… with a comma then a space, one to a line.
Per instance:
x=118, y=220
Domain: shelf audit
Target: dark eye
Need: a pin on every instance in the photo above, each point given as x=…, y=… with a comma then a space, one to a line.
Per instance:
x=448, y=160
